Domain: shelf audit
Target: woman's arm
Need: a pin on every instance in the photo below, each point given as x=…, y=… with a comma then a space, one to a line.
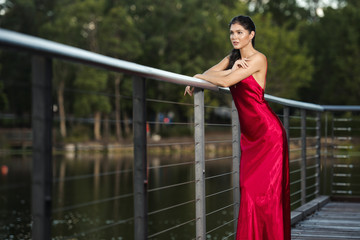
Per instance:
x=258, y=62
x=215, y=71
x=219, y=69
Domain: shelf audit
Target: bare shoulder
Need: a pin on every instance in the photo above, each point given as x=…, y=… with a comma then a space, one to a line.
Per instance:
x=259, y=57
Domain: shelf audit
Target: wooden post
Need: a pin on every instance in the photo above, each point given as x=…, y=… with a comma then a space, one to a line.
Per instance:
x=42, y=145
x=140, y=160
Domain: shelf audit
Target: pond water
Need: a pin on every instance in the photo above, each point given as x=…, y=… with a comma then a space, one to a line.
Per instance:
x=92, y=197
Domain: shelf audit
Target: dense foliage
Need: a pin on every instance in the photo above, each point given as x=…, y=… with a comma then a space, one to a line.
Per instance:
x=310, y=58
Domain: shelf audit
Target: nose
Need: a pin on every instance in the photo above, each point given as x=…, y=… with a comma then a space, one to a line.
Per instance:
x=234, y=36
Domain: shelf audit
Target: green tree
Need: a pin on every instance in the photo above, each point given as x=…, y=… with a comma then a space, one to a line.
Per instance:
x=77, y=24
x=89, y=15
x=3, y=98
x=289, y=67
x=335, y=47
x=25, y=16
x=190, y=36
x=62, y=27
x=91, y=80
x=120, y=38
x=285, y=12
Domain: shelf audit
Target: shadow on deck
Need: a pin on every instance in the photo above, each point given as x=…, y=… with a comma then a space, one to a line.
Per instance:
x=321, y=219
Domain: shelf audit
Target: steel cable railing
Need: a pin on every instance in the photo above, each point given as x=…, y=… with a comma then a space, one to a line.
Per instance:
x=219, y=175
x=218, y=158
x=170, y=208
x=220, y=209
x=218, y=193
x=170, y=186
x=91, y=175
x=169, y=144
x=171, y=228
x=219, y=227
x=84, y=234
x=171, y=165
x=218, y=168
x=345, y=154
x=157, y=224
x=86, y=204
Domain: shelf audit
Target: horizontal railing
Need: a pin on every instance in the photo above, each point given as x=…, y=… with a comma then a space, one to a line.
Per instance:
x=51, y=49
x=303, y=129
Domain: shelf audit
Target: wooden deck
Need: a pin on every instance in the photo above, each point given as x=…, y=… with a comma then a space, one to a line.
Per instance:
x=335, y=220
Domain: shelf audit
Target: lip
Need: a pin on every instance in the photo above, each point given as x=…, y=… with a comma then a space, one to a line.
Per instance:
x=235, y=42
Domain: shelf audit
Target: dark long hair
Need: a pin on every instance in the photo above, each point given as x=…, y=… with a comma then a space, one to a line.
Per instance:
x=249, y=25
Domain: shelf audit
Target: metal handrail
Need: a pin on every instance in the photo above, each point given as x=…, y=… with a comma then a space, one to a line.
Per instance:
x=351, y=108
x=52, y=49
x=294, y=103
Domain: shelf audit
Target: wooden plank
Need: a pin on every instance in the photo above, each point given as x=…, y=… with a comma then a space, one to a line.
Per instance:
x=331, y=222
x=308, y=208
x=336, y=220
x=296, y=217
x=321, y=235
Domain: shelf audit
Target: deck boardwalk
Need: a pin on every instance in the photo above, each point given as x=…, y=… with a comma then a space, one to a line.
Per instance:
x=336, y=220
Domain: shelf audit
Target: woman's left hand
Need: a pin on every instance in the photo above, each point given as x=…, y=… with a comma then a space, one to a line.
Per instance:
x=241, y=63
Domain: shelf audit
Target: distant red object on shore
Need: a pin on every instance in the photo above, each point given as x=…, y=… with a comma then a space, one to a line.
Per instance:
x=4, y=170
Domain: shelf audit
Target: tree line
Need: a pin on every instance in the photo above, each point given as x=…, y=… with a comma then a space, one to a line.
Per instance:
x=312, y=57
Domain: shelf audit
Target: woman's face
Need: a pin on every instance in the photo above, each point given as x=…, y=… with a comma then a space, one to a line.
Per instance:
x=239, y=36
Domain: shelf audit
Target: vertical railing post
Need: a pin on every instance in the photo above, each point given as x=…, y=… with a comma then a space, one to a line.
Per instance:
x=42, y=145
x=325, y=167
x=140, y=159
x=332, y=153
x=236, y=161
x=200, y=164
x=318, y=152
x=303, y=156
x=287, y=122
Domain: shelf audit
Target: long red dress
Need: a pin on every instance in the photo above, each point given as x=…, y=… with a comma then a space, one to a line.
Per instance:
x=264, y=167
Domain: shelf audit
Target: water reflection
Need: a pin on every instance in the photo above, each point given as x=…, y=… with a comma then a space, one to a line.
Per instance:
x=93, y=196
x=15, y=197
x=94, y=192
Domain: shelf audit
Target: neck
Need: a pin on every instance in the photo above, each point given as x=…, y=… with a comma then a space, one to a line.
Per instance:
x=247, y=51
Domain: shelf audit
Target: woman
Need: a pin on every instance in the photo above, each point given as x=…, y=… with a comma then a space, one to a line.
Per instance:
x=264, y=169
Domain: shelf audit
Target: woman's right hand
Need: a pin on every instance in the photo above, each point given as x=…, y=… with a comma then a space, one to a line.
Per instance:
x=189, y=90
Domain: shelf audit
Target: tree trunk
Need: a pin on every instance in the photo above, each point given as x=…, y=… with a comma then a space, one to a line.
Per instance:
x=117, y=107
x=97, y=125
x=62, y=114
x=127, y=124
x=106, y=128
x=157, y=123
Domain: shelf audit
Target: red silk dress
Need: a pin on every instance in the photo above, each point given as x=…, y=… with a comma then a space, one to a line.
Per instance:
x=264, y=167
